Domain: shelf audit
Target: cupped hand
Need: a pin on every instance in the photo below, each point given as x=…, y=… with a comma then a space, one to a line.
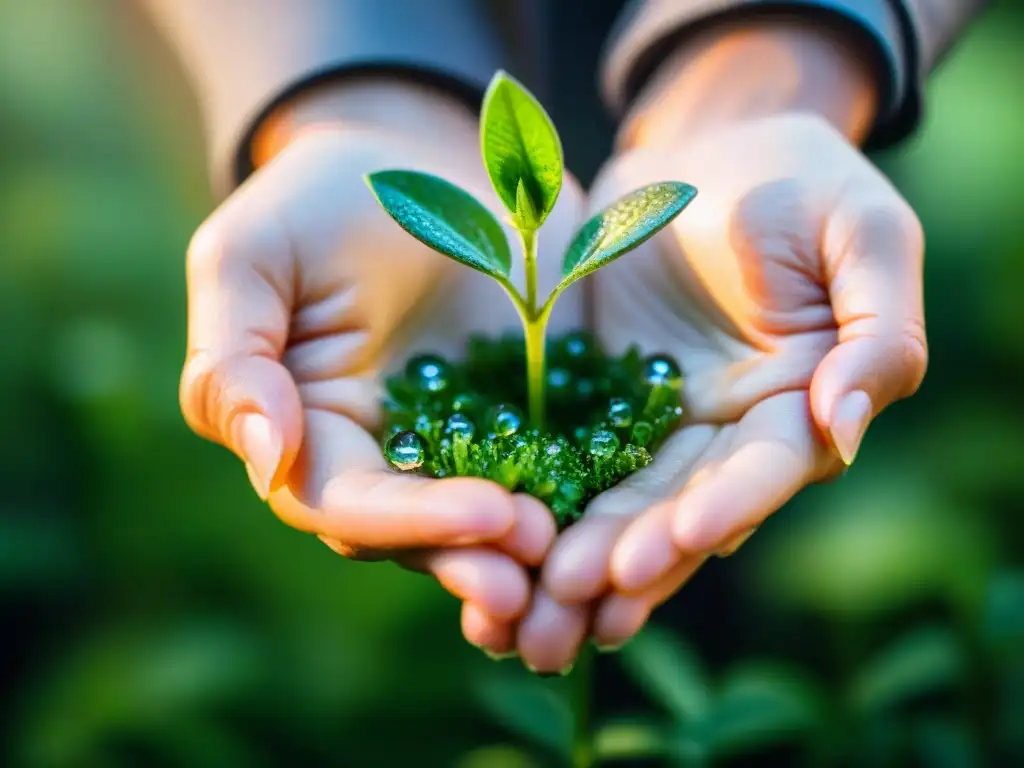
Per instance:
x=302, y=292
x=790, y=292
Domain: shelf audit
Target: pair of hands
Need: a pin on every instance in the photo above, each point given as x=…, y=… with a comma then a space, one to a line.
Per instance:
x=790, y=292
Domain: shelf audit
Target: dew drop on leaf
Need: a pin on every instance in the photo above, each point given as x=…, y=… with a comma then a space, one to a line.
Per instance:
x=662, y=370
x=428, y=373
x=405, y=451
x=620, y=413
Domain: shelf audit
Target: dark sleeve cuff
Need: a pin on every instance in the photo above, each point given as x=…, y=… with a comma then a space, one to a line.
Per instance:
x=246, y=56
x=649, y=30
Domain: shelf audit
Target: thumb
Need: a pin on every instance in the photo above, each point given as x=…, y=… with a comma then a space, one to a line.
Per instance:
x=873, y=251
x=234, y=388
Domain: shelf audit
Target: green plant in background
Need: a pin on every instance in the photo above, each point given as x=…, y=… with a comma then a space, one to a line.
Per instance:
x=434, y=409
x=908, y=703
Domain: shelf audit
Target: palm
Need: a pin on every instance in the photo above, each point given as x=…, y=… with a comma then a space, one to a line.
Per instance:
x=738, y=290
x=302, y=293
x=367, y=297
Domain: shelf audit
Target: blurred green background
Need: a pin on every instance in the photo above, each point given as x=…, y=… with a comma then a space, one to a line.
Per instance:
x=156, y=614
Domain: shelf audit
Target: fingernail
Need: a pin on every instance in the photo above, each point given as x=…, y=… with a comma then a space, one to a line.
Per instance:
x=610, y=648
x=493, y=656
x=734, y=544
x=563, y=672
x=849, y=423
x=258, y=442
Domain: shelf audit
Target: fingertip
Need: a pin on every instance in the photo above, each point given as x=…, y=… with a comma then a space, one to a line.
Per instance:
x=550, y=635
x=494, y=637
x=491, y=580
x=618, y=619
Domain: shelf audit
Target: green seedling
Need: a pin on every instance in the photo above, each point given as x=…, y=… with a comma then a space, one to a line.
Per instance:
x=523, y=157
x=443, y=419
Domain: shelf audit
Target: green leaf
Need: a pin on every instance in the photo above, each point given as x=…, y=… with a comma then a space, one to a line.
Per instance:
x=528, y=707
x=521, y=151
x=631, y=741
x=920, y=663
x=622, y=226
x=445, y=218
x=761, y=706
x=668, y=671
x=1003, y=617
x=946, y=742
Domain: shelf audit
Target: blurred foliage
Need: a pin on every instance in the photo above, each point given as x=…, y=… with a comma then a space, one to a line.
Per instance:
x=157, y=615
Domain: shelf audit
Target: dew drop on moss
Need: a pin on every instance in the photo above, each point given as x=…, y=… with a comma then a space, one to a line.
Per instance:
x=603, y=444
x=460, y=427
x=428, y=373
x=620, y=413
x=463, y=402
x=642, y=433
x=662, y=370
x=405, y=451
x=505, y=420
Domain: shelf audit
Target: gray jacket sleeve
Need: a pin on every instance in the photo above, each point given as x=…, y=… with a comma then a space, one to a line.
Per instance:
x=909, y=38
x=245, y=56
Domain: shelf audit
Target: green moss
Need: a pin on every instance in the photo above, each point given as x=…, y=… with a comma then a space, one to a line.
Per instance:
x=606, y=417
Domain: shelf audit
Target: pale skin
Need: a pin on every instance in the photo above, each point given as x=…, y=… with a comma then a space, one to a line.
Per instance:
x=790, y=291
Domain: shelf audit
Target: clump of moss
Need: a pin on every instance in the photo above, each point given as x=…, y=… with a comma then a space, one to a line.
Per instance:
x=606, y=417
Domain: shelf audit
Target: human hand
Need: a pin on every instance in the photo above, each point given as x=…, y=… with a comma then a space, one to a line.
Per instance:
x=302, y=291
x=791, y=293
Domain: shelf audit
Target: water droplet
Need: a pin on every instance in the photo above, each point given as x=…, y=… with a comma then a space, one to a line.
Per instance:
x=620, y=413
x=571, y=491
x=463, y=402
x=553, y=449
x=424, y=425
x=428, y=373
x=578, y=345
x=603, y=444
x=520, y=442
x=505, y=420
x=405, y=451
x=582, y=434
x=642, y=433
x=584, y=388
x=460, y=427
x=662, y=370
x=559, y=380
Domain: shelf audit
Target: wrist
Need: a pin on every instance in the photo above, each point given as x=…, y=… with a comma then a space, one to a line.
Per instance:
x=387, y=104
x=748, y=69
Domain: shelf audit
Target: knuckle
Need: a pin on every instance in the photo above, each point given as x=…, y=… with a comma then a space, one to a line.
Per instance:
x=208, y=249
x=192, y=392
x=205, y=388
x=913, y=354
